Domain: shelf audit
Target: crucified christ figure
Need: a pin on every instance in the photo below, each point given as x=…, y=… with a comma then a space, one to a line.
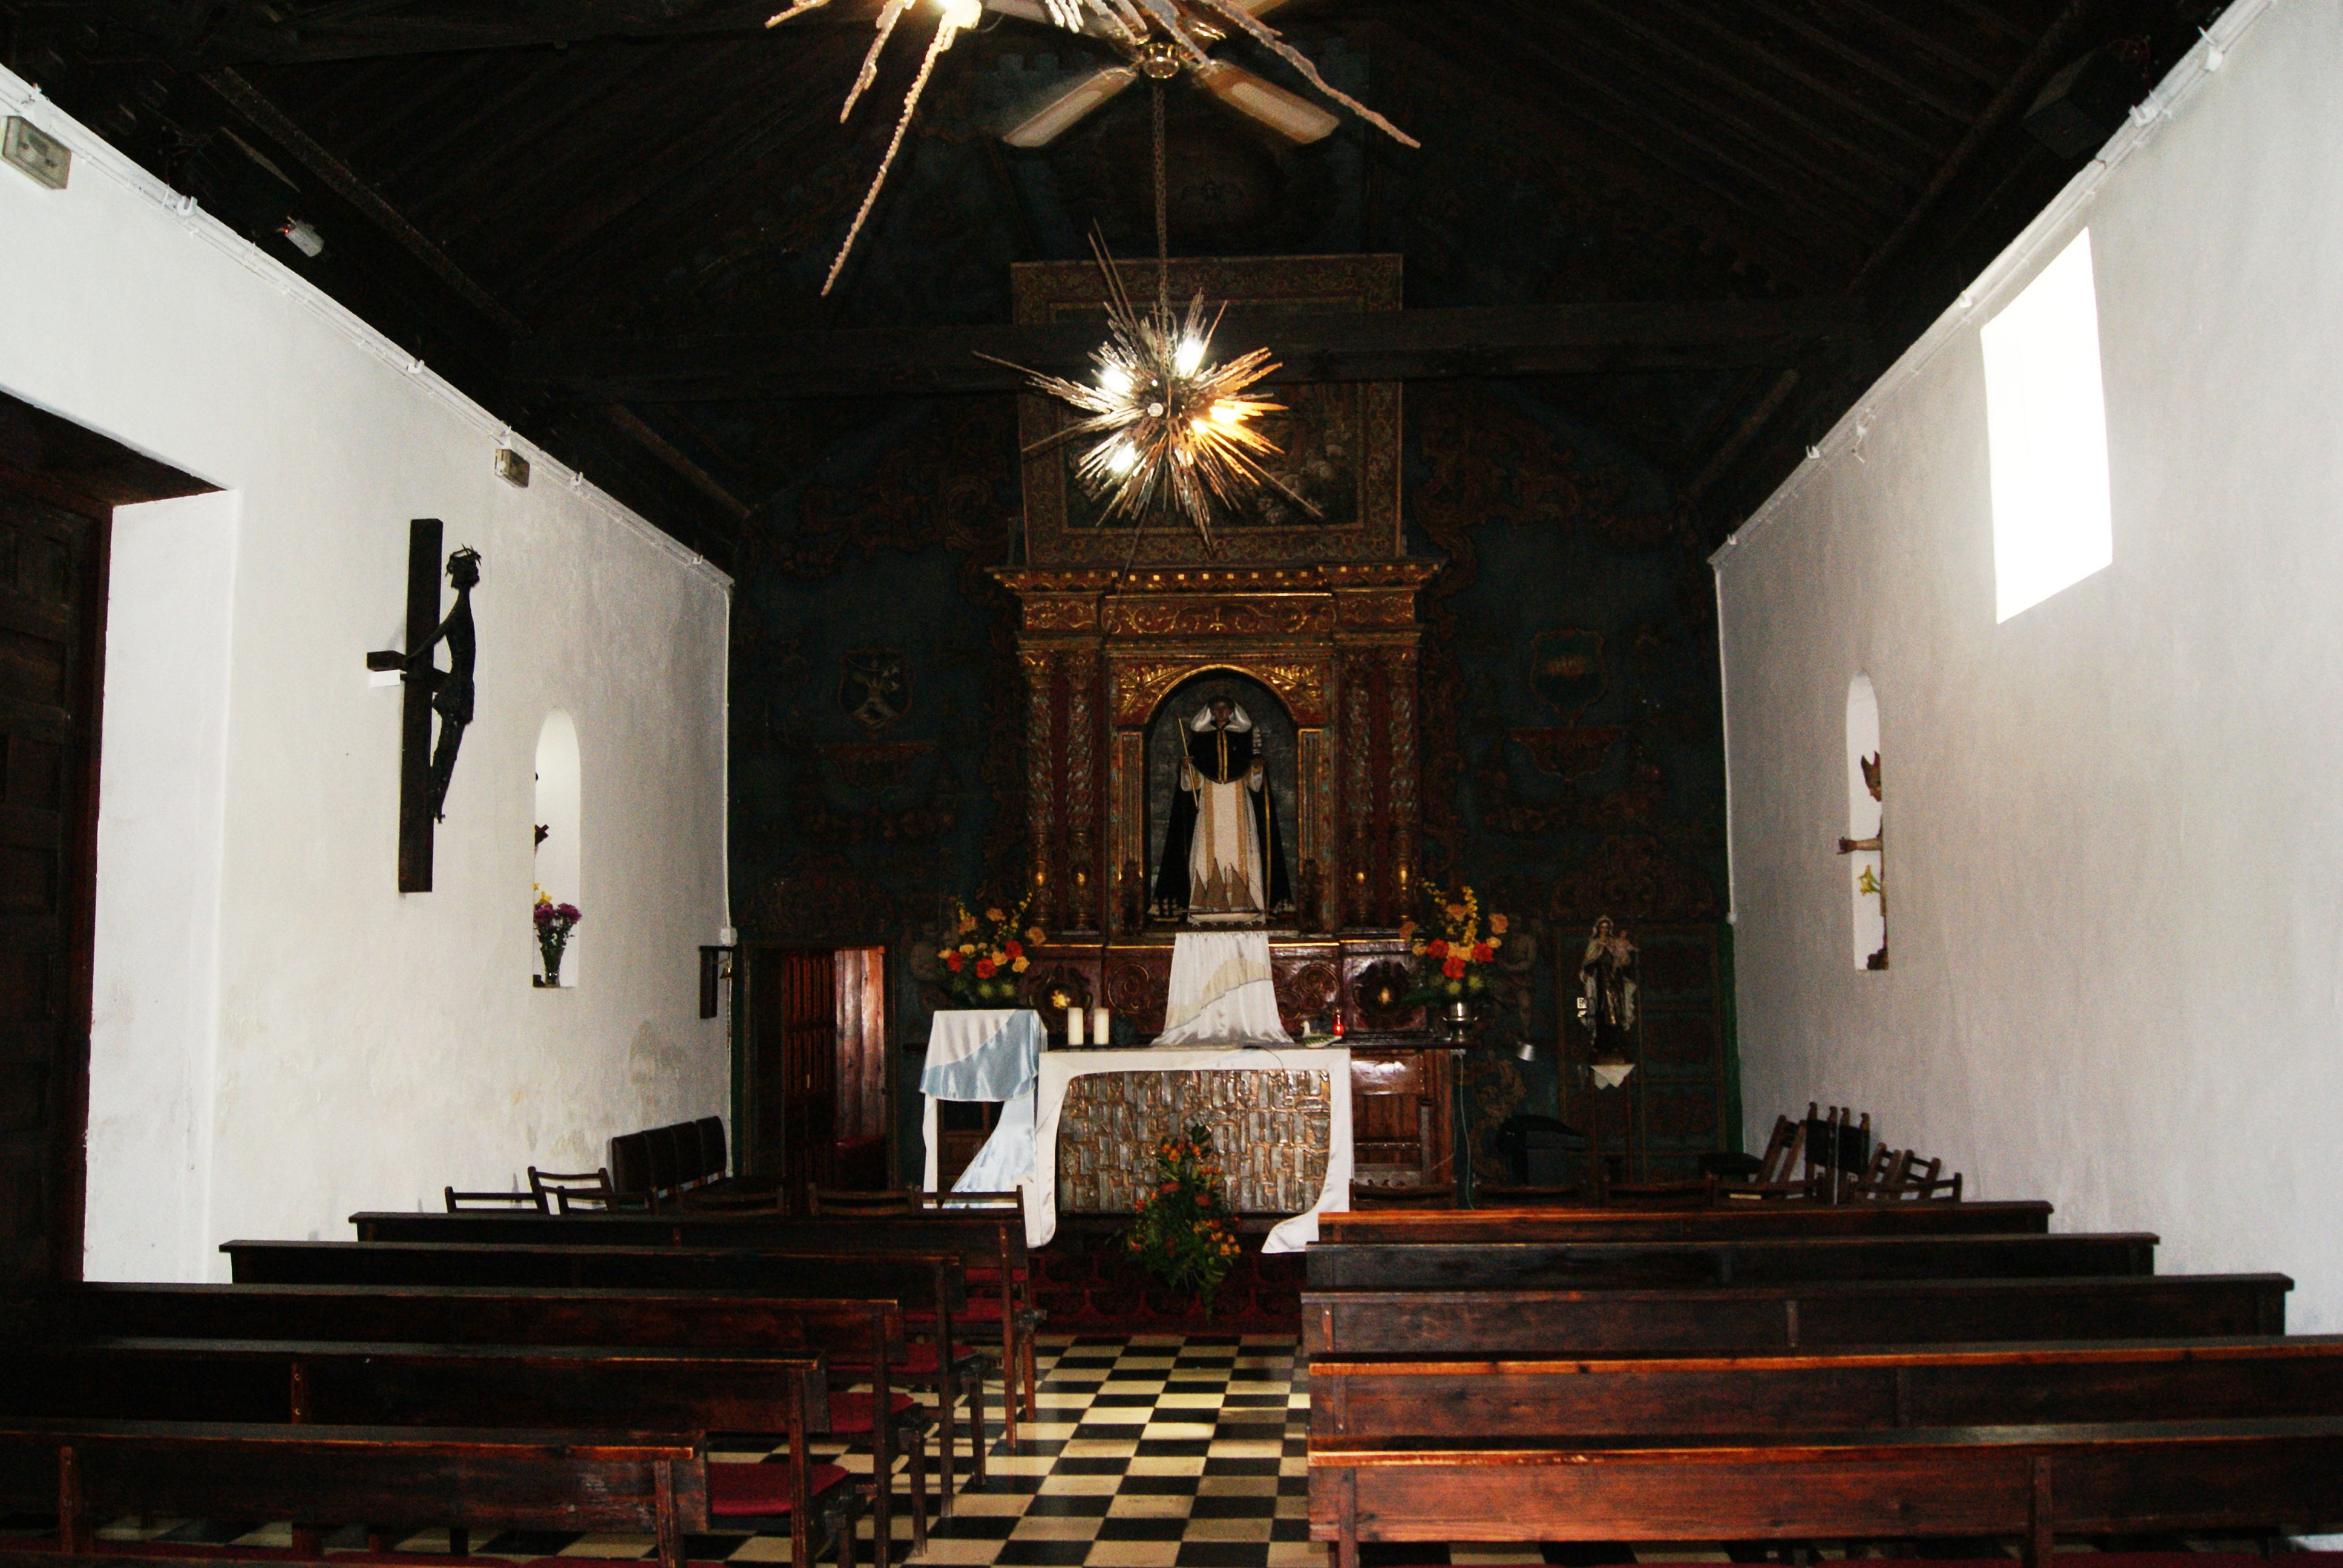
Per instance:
x=451, y=689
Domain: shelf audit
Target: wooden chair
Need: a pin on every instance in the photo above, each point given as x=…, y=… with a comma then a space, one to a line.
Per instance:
x=566, y=1189
x=1776, y=1177
x=1413, y=1195
x=460, y=1201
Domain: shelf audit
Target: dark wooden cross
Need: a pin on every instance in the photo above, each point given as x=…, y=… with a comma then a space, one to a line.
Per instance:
x=415, y=792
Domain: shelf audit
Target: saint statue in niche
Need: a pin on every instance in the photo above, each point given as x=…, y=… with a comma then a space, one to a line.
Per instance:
x=1223, y=862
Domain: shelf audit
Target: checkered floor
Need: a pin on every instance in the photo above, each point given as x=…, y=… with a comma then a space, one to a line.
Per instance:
x=1153, y=1452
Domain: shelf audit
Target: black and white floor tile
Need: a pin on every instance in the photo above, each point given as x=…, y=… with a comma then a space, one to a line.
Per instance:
x=1148, y=1451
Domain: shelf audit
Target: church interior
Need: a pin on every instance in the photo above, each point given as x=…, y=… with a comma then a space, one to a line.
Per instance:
x=1170, y=783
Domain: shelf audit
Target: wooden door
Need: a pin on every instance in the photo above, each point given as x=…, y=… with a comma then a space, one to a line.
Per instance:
x=793, y=1066
x=51, y=620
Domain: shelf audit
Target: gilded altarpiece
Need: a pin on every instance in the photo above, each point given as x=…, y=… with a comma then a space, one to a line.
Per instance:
x=1320, y=612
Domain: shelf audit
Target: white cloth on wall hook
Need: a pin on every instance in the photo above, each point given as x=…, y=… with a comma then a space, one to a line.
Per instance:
x=1813, y=451
x=2213, y=54
x=2144, y=113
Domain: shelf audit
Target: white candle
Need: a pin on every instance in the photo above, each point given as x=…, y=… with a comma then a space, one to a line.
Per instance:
x=1074, y=1025
x=1101, y=1031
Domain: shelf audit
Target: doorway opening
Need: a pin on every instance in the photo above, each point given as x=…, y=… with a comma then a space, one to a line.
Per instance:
x=820, y=1077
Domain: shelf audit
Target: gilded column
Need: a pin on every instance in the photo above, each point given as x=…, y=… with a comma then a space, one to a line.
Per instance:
x=1406, y=817
x=1086, y=877
x=1039, y=797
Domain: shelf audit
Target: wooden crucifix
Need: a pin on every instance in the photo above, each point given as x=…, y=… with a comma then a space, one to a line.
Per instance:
x=424, y=770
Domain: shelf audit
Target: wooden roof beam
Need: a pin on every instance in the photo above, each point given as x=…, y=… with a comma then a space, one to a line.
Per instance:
x=1698, y=16
x=1786, y=192
x=1903, y=81
x=1397, y=346
x=1659, y=41
x=1754, y=140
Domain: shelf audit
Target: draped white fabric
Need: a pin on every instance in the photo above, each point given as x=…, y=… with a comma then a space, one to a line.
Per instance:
x=1220, y=993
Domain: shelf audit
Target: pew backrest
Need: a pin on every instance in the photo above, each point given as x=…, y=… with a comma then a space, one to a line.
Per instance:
x=1789, y=1317
x=405, y=1477
x=2030, y=1480
x=921, y=1280
x=1733, y=1221
x=1842, y=1391
x=369, y=1383
x=844, y=1329
x=1527, y=1265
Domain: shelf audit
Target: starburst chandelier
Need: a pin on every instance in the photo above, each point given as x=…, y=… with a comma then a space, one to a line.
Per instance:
x=1171, y=31
x=1167, y=429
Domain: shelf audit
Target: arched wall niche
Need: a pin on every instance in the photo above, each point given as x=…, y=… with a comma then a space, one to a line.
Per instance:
x=559, y=811
x=1863, y=844
x=1167, y=735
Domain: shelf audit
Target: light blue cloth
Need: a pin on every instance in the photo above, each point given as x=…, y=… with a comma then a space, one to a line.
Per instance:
x=1007, y=1158
x=988, y=1054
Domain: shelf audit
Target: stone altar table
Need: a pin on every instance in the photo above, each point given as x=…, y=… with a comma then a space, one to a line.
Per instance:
x=1268, y=1130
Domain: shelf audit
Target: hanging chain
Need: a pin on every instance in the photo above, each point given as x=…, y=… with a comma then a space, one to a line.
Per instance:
x=1162, y=213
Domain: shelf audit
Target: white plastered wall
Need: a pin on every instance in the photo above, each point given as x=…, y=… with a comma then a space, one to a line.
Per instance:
x=2114, y=824
x=282, y=1038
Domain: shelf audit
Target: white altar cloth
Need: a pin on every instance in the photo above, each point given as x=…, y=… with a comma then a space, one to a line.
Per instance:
x=1060, y=1068
x=1220, y=993
x=985, y=1054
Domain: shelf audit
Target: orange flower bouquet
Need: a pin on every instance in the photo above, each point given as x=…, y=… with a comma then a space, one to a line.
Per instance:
x=1454, y=948
x=1183, y=1233
x=984, y=955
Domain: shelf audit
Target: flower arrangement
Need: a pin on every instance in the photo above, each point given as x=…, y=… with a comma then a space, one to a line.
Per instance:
x=1454, y=948
x=554, y=923
x=1182, y=1233
x=984, y=956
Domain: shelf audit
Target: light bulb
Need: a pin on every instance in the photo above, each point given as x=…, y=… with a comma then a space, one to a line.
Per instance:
x=1190, y=354
x=1115, y=381
x=962, y=14
x=1227, y=414
x=1121, y=460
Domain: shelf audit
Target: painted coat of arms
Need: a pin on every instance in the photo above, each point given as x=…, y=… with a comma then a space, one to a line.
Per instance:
x=874, y=687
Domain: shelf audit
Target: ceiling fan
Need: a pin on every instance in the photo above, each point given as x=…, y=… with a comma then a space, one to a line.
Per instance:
x=1161, y=48
x=1162, y=37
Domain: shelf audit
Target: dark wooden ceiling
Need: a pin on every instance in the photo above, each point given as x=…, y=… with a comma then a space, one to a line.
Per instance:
x=1704, y=224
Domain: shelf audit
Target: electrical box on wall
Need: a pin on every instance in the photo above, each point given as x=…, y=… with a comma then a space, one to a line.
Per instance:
x=512, y=467
x=38, y=154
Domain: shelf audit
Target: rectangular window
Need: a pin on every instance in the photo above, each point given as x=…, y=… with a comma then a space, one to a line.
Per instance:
x=2046, y=435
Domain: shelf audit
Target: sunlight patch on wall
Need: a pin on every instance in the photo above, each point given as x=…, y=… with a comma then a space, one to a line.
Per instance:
x=2046, y=431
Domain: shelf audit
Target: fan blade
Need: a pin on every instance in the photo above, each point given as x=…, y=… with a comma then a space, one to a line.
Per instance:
x=1025, y=10
x=1298, y=119
x=1260, y=7
x=1061, y=113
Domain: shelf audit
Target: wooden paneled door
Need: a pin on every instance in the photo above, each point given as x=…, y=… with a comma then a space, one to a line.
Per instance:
x=792, y=1051
x=52, y=624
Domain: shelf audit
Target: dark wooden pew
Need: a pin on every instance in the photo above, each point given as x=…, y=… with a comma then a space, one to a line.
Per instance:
x=1753, y=1318
x=1360, y=1397
x=1771, y=1259
x=359, y=1383
x=849, y=1332
x=2282, y=1471
x=989, y=1241
x=1730, y=1222
x=932, y=1284
x=404, y=1477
